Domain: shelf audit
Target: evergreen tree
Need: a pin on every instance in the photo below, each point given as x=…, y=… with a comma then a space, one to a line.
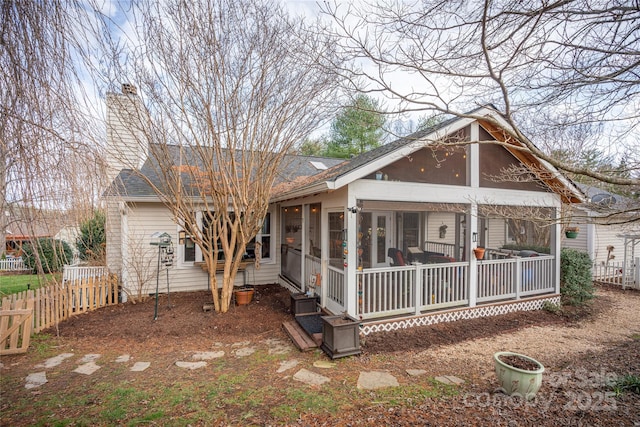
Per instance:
x=91, y=241
x=357, y=129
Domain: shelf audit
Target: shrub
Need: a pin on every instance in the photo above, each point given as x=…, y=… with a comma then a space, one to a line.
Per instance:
x=53, y=254
x=91, y=241
x=551, y=307
x=576, y=282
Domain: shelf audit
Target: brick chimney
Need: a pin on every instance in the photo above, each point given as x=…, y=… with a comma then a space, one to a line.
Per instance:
x=128, y=131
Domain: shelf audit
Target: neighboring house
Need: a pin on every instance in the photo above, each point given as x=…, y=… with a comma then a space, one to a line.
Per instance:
x=386, y=237
x=609, y=232
x=28, y=225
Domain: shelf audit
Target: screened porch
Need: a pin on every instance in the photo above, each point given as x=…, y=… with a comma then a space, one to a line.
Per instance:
x=416, y=261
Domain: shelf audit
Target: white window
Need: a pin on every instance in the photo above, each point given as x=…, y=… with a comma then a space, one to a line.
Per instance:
x=189, y=252
x=264, y=240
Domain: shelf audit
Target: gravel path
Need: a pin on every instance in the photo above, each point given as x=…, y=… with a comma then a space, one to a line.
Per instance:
x=555, y=346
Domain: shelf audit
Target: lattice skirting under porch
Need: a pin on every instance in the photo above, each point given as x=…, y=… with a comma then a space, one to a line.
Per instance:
x=285, y=283
x=458, y=314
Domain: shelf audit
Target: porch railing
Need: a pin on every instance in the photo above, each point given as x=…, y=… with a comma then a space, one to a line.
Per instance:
x=335, y=284
x=537, y=275
x=447, y=249
x=514, y=277
x=394, y=291
x=444, y=285
x=312, y=266
x=386, y=291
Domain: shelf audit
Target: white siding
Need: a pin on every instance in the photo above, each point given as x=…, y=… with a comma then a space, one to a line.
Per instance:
x=437, y=219
x=607, y=236
x=579, y=243
x=127, y=133
x=495, y=233
x=147, y=218
x=113, y=237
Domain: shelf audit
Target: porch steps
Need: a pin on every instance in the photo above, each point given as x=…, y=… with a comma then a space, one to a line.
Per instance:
x=300, y=338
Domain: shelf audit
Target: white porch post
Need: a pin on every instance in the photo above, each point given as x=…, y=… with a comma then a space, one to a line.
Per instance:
x=324, y=256
x=556, y=233
x=418, y=288
x=473, y=180
x=518, y=279
x=351, y=288
x=472, y=230
x=303, y=248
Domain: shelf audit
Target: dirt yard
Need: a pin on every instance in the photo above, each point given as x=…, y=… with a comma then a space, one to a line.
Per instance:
x=582, y=351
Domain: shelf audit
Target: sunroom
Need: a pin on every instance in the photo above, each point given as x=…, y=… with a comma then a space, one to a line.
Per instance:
x=392, y=234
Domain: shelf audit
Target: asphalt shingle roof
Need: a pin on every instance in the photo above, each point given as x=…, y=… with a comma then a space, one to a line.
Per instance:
x=140, y=184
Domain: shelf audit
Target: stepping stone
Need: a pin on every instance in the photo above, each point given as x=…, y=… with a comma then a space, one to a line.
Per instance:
x=191, y=365
x=286, y=365
x=241, y=344
x=310, y=378
x=208, y=355
x=35, y=380
x=140, y=366
x=416, y=372
x=123, y=359
x=89, y=358
x=243, y=352
x=450, y=380
x=374, y=380
x=324, y=364
x=277, y=346
x=55, y=361
x=87, y=368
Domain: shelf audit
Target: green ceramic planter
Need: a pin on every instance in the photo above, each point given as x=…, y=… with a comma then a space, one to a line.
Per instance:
x=515, y=381
x=571, y=234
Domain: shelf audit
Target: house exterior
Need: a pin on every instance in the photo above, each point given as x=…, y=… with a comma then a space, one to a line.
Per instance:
x=609, y=233
x=28, y=225
x=387, y=237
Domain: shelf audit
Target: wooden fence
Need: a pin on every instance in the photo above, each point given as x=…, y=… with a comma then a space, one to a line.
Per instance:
x=34, y=310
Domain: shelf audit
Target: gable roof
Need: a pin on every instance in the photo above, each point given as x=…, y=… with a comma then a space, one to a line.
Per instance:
x=369, y=162
x=300, y=177
x=611, y=206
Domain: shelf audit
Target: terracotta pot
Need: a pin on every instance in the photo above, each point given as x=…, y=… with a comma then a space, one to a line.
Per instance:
x=244, y=296
x=478, y=252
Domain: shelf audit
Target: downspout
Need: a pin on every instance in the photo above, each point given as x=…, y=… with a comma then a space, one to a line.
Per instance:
x=124, y=249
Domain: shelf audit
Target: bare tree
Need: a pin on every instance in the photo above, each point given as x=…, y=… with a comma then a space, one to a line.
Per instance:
x=230, y=87
x=46, y=133
x=541, y=65
x=141, y=266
